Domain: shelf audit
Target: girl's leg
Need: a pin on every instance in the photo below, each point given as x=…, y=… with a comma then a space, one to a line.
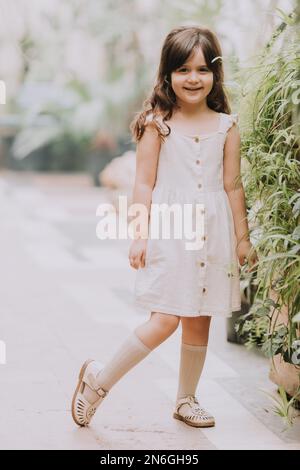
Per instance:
x=157, y=329
x=136, y=347
x=195, y=333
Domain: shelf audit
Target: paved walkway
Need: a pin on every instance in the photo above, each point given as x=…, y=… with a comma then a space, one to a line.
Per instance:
x=66, y=296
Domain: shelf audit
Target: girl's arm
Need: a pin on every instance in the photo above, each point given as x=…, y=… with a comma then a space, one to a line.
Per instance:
x=235, y=191
x=147, y=153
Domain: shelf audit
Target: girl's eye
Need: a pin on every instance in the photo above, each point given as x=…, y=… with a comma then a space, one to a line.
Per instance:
x=202, y=69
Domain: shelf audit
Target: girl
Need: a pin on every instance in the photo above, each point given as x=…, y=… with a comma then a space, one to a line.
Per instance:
x=188, y=151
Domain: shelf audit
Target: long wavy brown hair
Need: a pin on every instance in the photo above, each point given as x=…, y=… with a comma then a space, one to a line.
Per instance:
x=179, y=44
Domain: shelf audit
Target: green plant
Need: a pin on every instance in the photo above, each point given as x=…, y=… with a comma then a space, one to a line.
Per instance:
x=253, y=327
x=283, y=405
x=271, y=148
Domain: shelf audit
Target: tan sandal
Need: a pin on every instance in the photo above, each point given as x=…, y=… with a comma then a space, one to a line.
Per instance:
x=82, y=409
x=188, y=410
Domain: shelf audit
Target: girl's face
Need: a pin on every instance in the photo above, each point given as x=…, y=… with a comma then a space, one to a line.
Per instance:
x=193, y=74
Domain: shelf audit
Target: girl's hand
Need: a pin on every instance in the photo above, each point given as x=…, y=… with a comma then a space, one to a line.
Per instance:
x=247, y=254
x=137, y=253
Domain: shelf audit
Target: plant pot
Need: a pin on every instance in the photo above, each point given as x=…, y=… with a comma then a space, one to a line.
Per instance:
x=283, y=373
x=247, y=295
x=232, y=335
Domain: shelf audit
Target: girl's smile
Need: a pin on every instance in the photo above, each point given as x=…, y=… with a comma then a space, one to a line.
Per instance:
x=193, y=89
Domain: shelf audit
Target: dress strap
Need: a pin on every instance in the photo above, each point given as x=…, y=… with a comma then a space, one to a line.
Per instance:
x=149, y=117
x=227, y=121
x=159, y=121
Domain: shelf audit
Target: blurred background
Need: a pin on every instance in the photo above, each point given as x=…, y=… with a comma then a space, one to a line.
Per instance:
x=76, y=72
x=73, y=73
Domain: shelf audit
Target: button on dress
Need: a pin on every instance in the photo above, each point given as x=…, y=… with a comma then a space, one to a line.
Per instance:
x=205, y=281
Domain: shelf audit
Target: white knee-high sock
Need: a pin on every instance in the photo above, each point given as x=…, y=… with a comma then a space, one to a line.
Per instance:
x=131, y=352
x=192, y=360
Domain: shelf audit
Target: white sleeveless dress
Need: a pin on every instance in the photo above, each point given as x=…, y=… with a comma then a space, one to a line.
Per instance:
x=204, y=281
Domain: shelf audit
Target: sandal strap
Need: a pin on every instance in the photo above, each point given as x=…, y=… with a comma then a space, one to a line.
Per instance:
x=193, y=402
x=90, y=380
x=101, y=392
x=188, y=400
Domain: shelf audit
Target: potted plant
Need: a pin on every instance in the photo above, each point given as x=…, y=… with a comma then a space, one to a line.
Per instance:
x=271, y=146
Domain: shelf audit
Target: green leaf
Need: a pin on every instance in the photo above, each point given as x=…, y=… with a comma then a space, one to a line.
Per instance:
x=296, y=233
x=296, y=318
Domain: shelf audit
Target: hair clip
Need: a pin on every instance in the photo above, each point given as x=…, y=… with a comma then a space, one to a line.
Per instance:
x=216, y=58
